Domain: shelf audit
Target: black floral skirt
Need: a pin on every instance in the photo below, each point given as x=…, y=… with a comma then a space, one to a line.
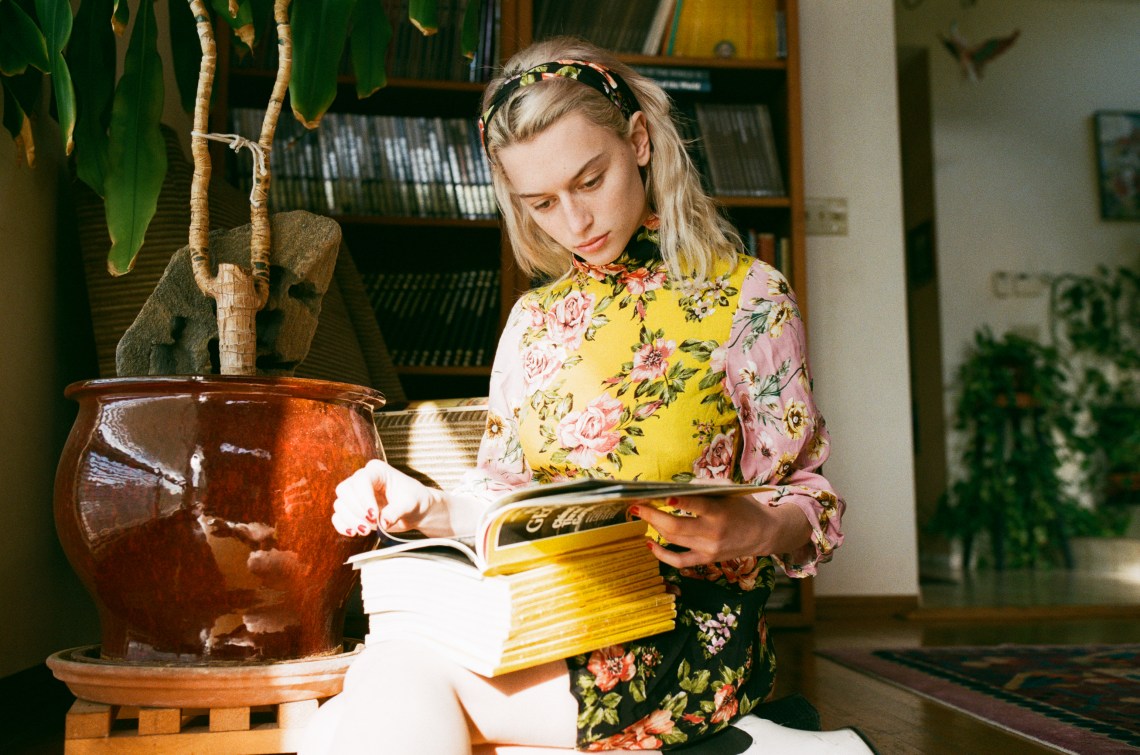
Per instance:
x=680, y=686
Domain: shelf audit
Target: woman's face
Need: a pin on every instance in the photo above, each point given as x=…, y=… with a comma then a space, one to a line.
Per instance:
x=581, y=185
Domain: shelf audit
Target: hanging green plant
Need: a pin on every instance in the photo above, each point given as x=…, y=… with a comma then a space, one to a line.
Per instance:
x=111, y=127
x=1011, y=413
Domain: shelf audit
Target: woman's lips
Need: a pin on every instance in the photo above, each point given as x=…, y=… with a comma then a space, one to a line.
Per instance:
x=593, y=244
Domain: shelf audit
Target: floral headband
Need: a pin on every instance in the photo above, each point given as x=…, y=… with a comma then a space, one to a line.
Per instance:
x=593, y=75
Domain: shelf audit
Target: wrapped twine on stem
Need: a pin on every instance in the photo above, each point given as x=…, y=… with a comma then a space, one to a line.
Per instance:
x=239, y=293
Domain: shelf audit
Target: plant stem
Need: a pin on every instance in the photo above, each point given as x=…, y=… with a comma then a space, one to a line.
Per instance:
x=239, y=293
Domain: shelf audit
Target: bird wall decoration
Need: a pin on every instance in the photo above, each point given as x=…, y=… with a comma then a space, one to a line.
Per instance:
x=973, y=58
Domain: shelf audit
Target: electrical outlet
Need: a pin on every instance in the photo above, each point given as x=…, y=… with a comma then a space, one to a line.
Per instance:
x=825, y=216
x=1001, y=284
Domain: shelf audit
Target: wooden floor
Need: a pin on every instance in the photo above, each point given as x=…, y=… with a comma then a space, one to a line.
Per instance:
x=1030, y=609
x=897, y=721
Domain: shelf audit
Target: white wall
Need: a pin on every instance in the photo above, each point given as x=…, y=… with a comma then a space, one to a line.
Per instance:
x=45, y=608
x=856, y=284
x=1015, y=175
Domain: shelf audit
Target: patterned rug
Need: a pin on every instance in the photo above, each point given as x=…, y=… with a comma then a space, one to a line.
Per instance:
x=1077, y=698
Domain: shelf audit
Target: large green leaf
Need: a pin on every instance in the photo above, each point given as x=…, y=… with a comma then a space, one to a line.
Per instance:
x=186, y=51
x=121, y=17
x=22, y=44
x=371, y=33
x=137, y=153
x=17, y=124
x=319, y=30
x=263, y=22
x=239, y=15
x=424, y=15
x=91, y=55
x=14, y=115
x=469, y=35
x=55, y=20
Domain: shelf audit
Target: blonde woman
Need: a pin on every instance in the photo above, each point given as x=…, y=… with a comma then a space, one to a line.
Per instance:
x=659, y=351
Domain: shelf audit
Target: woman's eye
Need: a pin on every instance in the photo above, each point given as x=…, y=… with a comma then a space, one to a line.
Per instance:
x=593, y=182
x=540, y=206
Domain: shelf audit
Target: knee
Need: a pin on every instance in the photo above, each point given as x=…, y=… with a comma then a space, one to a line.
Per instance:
x=398, y=667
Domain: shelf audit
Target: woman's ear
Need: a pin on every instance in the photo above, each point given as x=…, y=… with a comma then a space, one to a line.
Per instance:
x=639, y=137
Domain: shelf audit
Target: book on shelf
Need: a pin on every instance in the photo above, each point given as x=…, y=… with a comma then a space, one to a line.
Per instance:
x=437, y=319
x=747, y=29
x=355, y=164
x=635, y=26
x=770, y=248
x=678, y=79
x=740, y=149
x=550, y=571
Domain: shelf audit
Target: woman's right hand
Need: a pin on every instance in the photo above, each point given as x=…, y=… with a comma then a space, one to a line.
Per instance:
x=380, y=494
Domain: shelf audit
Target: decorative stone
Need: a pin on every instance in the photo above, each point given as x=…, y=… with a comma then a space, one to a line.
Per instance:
x=176, y=332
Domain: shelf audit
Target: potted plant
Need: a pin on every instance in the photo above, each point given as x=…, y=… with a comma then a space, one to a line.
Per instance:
x=1011, y=416
x=195, y=507
x=1095, y=328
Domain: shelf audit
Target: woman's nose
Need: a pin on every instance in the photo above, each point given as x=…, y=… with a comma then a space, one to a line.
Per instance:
x=578, y=215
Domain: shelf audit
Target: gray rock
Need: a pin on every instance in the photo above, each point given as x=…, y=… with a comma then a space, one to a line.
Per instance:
x=176, y=332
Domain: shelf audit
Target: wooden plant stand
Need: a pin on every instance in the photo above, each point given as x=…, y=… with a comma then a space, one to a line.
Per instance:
x=126, y=730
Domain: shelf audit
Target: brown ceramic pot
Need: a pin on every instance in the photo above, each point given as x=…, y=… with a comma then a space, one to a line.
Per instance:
x=196, y=512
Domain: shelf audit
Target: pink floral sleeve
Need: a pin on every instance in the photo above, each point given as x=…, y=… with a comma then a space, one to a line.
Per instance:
x=784, y=439
x=501, y=466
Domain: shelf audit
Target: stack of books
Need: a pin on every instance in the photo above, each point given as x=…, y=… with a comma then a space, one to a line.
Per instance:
x=358, y=164
x=437, y=319
x=550, y=572
x=739, y=150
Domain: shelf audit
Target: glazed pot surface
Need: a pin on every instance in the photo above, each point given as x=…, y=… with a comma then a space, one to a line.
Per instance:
x=196, y=511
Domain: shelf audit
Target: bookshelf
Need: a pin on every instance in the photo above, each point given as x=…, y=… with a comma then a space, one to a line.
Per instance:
x=391, y=243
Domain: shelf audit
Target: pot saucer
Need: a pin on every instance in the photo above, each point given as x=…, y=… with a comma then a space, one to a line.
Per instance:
x=221, y=685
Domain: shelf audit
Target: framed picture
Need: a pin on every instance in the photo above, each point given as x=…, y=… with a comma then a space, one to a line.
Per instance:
x=1118, y=163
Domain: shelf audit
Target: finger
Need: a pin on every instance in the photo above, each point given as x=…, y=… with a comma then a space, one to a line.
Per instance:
x=679, y=560
x=348, y=524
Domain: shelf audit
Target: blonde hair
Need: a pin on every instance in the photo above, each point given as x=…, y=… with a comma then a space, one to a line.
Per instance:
x=694, y=234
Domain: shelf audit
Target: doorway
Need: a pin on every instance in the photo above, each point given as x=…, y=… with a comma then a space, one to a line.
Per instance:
x=923, y=317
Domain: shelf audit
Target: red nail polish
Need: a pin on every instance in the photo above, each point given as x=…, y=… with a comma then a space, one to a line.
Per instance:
x=635, y=511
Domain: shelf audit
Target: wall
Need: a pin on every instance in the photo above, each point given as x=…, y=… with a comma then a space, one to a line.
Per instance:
x=1014, y=164
x=46, y=344
x=857, y=290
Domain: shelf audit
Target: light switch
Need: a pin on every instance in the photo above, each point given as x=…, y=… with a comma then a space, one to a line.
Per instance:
x=826, y=216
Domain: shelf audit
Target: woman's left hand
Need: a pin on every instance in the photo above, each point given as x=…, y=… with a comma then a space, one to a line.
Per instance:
x=723, y=528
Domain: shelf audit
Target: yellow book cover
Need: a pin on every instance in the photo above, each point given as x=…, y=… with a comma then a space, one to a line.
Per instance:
x=726, y=29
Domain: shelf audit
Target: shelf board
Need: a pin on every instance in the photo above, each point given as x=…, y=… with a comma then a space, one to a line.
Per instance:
x=780, y=202
x=676, y=61
x=408, y=220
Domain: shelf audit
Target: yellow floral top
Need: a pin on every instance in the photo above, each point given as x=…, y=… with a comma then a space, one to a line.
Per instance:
x=619, y=371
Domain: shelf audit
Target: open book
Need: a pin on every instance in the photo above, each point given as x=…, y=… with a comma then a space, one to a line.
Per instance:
x=551, y=571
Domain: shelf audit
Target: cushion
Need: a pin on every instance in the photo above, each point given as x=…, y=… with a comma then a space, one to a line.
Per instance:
x=434, y=441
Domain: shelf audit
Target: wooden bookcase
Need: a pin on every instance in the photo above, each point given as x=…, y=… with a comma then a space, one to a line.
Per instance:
x=409, y=243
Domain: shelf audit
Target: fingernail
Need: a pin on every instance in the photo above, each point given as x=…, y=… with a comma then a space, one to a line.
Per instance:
x=671, y=502
x=635, y=511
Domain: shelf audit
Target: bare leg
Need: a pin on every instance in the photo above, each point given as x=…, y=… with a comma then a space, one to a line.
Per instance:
x=403, y=698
